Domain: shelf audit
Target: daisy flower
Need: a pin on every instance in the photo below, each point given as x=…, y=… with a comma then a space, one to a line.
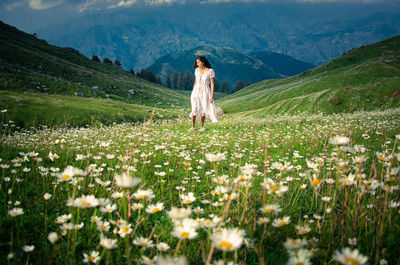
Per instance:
x=228, y=239
x=350, y=257
x=271, y=209
x=143, y=242
x=187, y=198
x=108, y=243
x=146, y=195
x=155, y=208
x=281, y=221
x=93, y=257
x=16, y=212
x=185, y=229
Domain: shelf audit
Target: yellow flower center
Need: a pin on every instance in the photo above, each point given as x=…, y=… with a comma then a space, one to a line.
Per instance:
x=269, y=210
x=368, y=187
x=143, y=244
x=185, y=234
x=102, y=227
x=187, y=164
x=282, y=223
x=388, y=187
x=143, y=196
x=382, y=158
x=125, y=229
x=188, y=201
x=226, y=245
x=91, y=258
x=85, y=204
x=352, y=261
x=299, y=263
x=304, y=231
x=65, y=176
x=392, y=179
x=155, y=210
x=273, y=187
x=346, y=181
x=137, y=208
x=315, y=181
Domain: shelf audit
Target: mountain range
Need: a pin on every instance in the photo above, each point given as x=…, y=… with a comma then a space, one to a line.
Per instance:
x=139, y=36
x=231, y=65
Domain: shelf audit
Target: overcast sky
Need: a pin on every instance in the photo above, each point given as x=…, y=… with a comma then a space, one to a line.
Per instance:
x=31, y=15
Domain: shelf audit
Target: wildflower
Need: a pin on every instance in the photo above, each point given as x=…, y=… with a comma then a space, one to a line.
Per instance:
x=103, y=226
x=215, y=157
x=169, y=260
x=52, y=237
x=53, y=156
x=185, y=229
x=143, y=242
x=137, y=206
x=339, y=140
x=188, y=198
x=292, y=244
x=63, y=218
x=228, y=239
x=124, y=229
x=126, y=181
x=162, y=246
x=300, y=257
x=117, y=195
x=93, y=257
x=262, y=220
x=47, y=196
x=273, y=187
x=281, y=221
x=108, y=243
x=303, y=229
x=350, y=257
x=352, y=241
x=28, y=248
x=271, y=208
x=85, y=201
x=146, y=195
x=155, y=208
x=15, y=212
x=109, y=208
x=179, y=213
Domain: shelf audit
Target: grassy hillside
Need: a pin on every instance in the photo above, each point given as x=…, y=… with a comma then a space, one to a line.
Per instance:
x=29, y=66
x=366, y=78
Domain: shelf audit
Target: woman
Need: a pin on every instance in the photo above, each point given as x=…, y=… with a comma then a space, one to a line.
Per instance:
x=202, y=97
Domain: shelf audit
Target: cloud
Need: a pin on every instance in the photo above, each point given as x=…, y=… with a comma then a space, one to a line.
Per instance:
x=14, y=5
x=88, y=4
x=123, y=3
x=40, y=5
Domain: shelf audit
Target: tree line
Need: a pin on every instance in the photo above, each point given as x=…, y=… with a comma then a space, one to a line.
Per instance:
x=175, y=80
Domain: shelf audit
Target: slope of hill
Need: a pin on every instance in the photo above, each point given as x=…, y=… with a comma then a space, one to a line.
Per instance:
x=229, y=65
x=29, y=65
x=367, y=78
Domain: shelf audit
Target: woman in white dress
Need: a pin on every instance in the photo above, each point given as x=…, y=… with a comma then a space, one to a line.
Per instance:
x=202, y=97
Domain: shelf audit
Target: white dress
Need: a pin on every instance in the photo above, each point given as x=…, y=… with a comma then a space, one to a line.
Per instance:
x=200, y=98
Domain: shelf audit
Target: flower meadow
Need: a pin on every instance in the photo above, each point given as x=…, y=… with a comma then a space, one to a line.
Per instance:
x=300, y=189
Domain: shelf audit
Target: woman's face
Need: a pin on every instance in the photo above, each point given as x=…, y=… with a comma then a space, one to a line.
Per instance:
x=199, y=63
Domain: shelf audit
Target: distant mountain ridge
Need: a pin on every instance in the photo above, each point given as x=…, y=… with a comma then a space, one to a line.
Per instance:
x=231, y=65
x=140, y=36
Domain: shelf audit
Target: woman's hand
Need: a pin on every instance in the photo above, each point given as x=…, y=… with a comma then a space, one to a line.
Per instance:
x=211, y=99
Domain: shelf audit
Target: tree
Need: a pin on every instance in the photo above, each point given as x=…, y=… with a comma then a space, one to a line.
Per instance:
x=187, y=80
x=96, y=58
x=117, y=63
x=131, y=71
x=158, y=80
x=239, y=85
x=216, y=85
x=225, y=87
x=107, y=61
x=180, y=81
x=168, y=80
x=147, y=75
x=175, y=80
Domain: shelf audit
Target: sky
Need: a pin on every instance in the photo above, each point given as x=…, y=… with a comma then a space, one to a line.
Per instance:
x=31, y=15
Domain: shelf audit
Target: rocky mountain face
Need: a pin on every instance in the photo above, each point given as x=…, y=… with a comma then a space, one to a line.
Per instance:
x=139, y=36
x=231, y=65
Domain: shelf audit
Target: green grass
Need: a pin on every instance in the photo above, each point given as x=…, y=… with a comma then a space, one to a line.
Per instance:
x=171, y=161
x=363, y=79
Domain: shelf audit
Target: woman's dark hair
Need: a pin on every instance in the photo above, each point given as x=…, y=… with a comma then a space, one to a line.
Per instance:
x=202, y=59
